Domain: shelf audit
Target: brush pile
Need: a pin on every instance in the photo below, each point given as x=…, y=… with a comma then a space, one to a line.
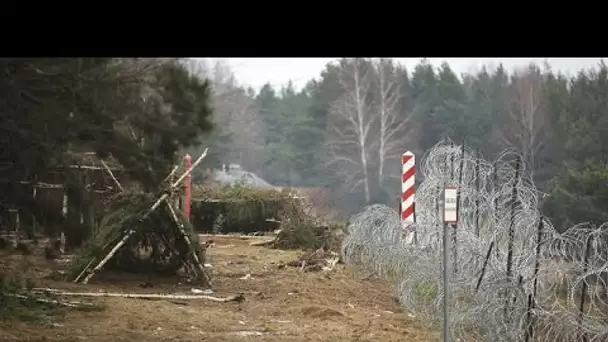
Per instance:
x=156, y=245
x=143, y=233
x=308, y=234
x=316, y=261
x=241, y=209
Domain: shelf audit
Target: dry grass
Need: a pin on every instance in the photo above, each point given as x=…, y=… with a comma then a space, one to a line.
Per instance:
x=282, y=304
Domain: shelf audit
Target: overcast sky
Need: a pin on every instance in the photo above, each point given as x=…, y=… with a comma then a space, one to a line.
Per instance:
x=256, y=72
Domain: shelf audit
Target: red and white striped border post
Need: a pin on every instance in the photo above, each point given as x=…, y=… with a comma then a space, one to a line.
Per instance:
x=408, y=191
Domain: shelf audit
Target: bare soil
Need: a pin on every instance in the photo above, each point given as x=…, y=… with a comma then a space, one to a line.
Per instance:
x=281, y=304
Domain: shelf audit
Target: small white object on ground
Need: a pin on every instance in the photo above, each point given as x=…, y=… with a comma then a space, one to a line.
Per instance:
x=199, y=291
x=250, y=333
x=281, y=321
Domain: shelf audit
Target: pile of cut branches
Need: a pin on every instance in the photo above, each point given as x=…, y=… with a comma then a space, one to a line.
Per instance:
x=300, y=230
x=155, y=246
x=299, y=235
x=143, y=233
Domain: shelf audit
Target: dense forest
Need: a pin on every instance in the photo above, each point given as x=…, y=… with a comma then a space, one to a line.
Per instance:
x=141, y=112
x=346, y=129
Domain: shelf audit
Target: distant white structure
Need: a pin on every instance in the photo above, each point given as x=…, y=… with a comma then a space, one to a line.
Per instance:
x=233, y=174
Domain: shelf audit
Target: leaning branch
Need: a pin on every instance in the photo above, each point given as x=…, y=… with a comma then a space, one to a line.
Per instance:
x=74, y=305
x=112, y=175
x=195, y=164
x=234, y=298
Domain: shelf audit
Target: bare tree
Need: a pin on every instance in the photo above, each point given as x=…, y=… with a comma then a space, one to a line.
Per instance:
x=224, y=81
x=393, y=122
x=525, y=128
x=351, y=124
x=197, y=66
x=235, y=112
x=247, y=128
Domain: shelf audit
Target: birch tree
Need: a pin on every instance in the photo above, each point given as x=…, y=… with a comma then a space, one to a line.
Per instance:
x=392, y=122
x=235, y=114
x=350, y=127
x=247, y=130
x=525, y=128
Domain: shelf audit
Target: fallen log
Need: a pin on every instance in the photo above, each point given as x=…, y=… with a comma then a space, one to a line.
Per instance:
x=75, y=305
x=234, y=298
x=264, y=243
x=234, y=236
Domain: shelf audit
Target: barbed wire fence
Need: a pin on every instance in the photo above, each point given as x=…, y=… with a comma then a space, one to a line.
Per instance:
x=513, y=278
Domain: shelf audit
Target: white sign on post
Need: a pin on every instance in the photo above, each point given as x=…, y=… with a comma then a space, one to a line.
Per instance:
x=450, y=204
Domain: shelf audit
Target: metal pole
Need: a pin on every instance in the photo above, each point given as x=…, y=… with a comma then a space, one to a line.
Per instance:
x=446, y=321
x=581, y=308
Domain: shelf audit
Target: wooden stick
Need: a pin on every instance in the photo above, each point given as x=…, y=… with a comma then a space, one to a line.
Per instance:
x=36, y=184
x=42, y=185
x=237, y=236
x=17, y=228
x=171, y=174
x=180, y=226
x=49, y=301
x=137, y=141
x=174, y=185
x=85, y=269
x=108, y=256
x=263, y=243
x=112, y=175
x=34, y=191
x=189, y=268
x=83, y=167
x=64, y=214
x=232, y=298
x=195, y=164
x=154, y=206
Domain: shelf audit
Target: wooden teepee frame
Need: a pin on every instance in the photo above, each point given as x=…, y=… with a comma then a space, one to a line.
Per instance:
x=191, y=262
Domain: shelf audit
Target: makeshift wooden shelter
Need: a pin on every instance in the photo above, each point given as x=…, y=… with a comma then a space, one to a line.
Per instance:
x=144, y=233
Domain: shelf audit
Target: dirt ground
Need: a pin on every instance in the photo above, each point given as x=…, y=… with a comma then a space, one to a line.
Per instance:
x=281, y=304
